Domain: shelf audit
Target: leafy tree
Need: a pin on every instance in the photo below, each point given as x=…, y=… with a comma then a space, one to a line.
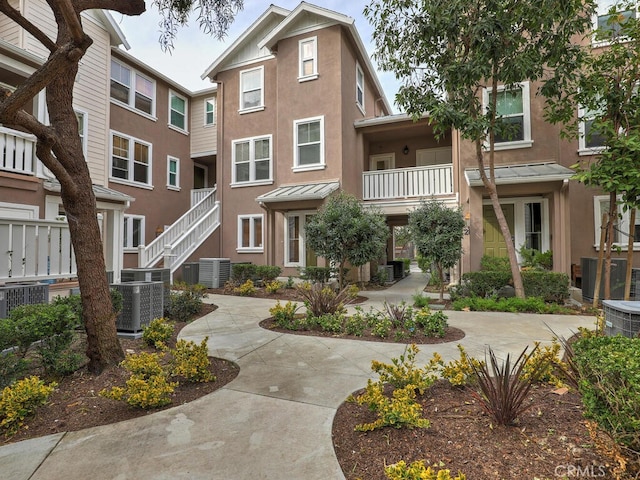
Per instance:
x=59, y=146
x=344, y=231
x=448, y=51
x=606, y=90
x=437, y=232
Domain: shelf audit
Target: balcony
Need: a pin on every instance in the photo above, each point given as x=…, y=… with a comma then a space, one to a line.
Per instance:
x=17, y=151
x=404, y=183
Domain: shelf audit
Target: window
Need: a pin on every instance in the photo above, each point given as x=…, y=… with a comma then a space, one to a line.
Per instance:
x=296, y=252
x=609, y=18
x=140, y=97
x=252, y=160
x=512, y=110
x=251, y=90
x=621, y=225
x=591, y=140
x=309, y=143
x=308, y=51
x=250, y=233
x=133, y=231
x=210, y=111
x=130, y=160
x=177, y=111
x=533, y=225
x=359, y=87
x=173, y=173
x=82, y=130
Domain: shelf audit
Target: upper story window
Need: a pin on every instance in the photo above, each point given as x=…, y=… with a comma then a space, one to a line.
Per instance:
x=132, y=88
x=130, y=160
x=308, y=53
x=173, y=173
x=609, y=18
x=309, y=143
x=252, y=160
x=359, y=87
x=252, y=90
x=591, y=141
x=513, y=113
x=210, y=111
x=177, y=111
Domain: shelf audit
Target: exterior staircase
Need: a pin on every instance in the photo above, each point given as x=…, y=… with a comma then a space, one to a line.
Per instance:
x=174, y=246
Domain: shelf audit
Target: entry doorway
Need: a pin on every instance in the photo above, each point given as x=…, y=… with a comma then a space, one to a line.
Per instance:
x=493, y=240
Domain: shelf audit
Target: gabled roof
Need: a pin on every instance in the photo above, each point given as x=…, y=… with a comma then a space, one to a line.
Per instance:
x=115, y=33
x=269, y=15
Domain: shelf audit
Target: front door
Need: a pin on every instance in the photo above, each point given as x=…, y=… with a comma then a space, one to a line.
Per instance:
x=494, y=244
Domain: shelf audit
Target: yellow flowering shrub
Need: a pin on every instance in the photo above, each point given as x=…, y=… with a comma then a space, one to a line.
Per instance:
x=460, y=372
x=158, y=333
x=403, y=371
x=418, y=471
x=20, y=400
x=191, y=361
x=273, y=286
x=246, y=289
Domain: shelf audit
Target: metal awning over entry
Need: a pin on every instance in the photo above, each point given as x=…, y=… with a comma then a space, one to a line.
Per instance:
x=299, y=192
x=528, y=173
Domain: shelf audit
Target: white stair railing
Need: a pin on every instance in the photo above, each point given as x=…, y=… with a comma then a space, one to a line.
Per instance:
x=163, y=246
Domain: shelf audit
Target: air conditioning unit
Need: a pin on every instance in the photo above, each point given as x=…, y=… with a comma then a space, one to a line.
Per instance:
x=621, y=318
x=149, y=275
x=191, y=273
x=141, y=303
x=16, y=294
x=214, y=272
x=388, y=272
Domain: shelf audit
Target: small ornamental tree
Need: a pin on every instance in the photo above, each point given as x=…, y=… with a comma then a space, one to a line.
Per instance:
x=344, y=231
x=437, y=233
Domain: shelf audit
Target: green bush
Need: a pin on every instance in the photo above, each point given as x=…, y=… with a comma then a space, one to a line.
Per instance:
x=355, y=325
x=12, y=367
x=550, y=286
x=268, y=273
x=420, y=300
x=609, y=382
x=185, y=304
x=484, y=283
x=495, y=264
x=433, y=324
x=403, y=371
x=318, y=274
x=320, y=299
x=158, y=333
x=329, y=322
x=514, y=305
x=241, y=272
x=20, y=400
x=74, y=301
x=532, y=258
x=285, y=316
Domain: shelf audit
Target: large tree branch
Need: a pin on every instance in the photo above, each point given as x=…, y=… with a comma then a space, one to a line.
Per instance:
x=126, y=7
x=17, y=17
x=72, y=20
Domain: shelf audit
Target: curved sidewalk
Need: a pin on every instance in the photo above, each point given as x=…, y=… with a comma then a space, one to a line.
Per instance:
x=274, y=420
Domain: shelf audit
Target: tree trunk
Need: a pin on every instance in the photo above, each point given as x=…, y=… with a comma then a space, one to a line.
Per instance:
x=613, y=215
x=441, y=275
x=103, y=346
x=631, y=239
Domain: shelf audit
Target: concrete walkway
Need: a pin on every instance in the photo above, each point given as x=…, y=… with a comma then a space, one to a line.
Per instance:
x=274, y=420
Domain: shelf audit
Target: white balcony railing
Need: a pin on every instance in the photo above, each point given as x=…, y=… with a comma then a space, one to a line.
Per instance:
x=17, y=151
x=401, y=183
x=35, y=250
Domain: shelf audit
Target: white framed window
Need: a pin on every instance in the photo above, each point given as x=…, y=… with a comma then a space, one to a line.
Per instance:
x=133, y=231
x=250, y=233
x=590, y=140
x=621, y=224
x=609, y=16
x=308, y=138
x=132, y=89
x=210, y=111
x=252, y=90
x=83, y=122
x=514, y=111
x=130, y=160
x=173, y=173
x=359, y=87
x=308, y=59
x=177, y=111
x=252, y=160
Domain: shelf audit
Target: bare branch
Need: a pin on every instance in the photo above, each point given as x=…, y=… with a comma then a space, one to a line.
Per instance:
x=29, y=27
x=72, y=19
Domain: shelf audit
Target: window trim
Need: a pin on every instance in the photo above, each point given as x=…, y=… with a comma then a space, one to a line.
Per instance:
x=623, y=221
x=257, y=108
x=175, y=187
x=252, y=171
x=210, y=101
x=173, y=93
x=85, y=130
x=316, y=166
x=252, y=223
x=583, y=150
x=130, y=104
x=527, y=142
x=128, y=240
x=595, y=42
x=312, y=76
x=129, y=180
x=360, y=87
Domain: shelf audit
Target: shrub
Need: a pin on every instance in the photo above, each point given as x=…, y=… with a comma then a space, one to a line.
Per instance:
x=191, y=361
x=403, y=371
x=246, y=289
x=418, y=471
x=420, y=301
x=549, y=358
x=355, y=324
x=285, y=317
x=157, y=333
x=20, y=400
x=550, y=286
x=318, y=274
x=399, y=314
x=320, y=299
x=399, y=411
x=609, y=382
x=185, y=304
x=433, y=324
x=273, y=286
x=381, y=328
x=329, y=322
x=74, y=301
x=268, y=273
x=513, y=304
x=241, y=272
x=495, y=264
x=504, y=387
x=461, y=372
x=12, y=367
x=483, y=283
x=143, y=364
x=532, y=258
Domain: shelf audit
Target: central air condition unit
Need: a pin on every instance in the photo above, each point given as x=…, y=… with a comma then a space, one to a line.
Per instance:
x=214, y=272
x=15, y=294
x=141, y=303
x=191, y=273
x=149, y=275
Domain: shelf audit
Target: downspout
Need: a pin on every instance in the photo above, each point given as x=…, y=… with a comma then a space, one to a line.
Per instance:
x=220, y=157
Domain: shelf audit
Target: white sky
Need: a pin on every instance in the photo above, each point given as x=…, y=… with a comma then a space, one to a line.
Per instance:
x=194, y=51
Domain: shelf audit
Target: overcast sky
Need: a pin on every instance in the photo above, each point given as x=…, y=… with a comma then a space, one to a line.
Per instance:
x=195, y=51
